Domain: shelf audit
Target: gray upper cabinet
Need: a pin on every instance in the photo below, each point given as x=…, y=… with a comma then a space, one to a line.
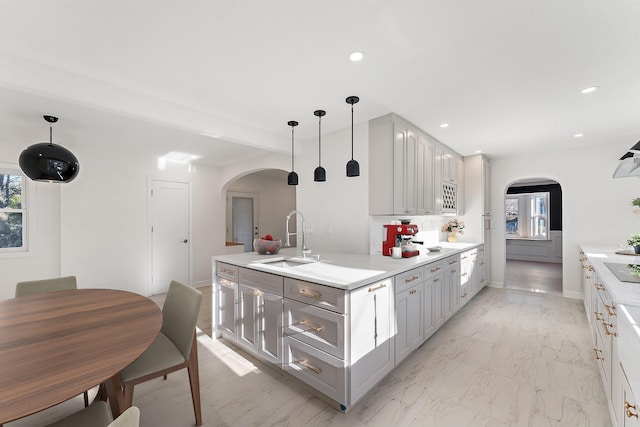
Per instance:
x=410, y=172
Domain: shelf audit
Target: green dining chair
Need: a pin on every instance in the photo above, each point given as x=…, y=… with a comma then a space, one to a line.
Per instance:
x=174, y=348
x=47, y=285
x=99, y=415
x=33, y=287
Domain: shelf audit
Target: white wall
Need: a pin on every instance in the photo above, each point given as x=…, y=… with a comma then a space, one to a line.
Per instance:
x=596, y=207
x=336, y=211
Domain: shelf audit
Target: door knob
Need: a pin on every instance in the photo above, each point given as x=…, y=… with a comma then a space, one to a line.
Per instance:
x=185, y=241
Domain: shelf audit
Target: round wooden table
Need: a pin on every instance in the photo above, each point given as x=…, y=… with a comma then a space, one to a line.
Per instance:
x=56, y=345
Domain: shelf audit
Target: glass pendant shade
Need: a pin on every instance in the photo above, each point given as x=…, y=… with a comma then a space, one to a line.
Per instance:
x=292, y=178
x=49, y=162
x=319, y=175
x=353, y=167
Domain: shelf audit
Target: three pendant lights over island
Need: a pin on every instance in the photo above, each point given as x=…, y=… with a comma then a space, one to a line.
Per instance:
x=319, y=174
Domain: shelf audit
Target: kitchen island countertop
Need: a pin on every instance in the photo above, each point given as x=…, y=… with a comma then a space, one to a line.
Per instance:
x=343, y=270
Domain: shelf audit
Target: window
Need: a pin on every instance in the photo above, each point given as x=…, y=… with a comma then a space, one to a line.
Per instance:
x=13, y=212
x=527, y=215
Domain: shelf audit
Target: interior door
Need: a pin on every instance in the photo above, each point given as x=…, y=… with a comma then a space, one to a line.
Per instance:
x=170, y=216
x=242, y=218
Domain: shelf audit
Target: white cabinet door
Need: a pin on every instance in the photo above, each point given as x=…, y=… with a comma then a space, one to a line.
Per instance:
x=468, y=276
x=431, y=295
x=630, y=407
x=404, y=169
x=426, y=156
x=270, y=320
x=227, y=313
x=486, y=185
x=451, y=279
x=247, y=318
x=440, y=299
x=409, y=321
x=371, y=332
x=460, y=186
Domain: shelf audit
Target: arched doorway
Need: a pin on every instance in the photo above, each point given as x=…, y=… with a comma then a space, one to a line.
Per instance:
x=257, y=204
x=533, y=230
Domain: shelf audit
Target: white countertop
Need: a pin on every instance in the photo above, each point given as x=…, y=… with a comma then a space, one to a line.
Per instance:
x=621, y=292
x=343, y=270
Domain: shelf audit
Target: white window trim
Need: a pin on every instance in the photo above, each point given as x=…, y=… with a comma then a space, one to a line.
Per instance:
x=28, y=201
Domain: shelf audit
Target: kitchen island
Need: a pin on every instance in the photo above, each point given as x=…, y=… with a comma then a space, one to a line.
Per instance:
x=341, y=323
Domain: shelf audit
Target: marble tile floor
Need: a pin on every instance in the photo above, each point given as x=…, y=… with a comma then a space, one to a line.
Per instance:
x=532, y=276
x=508, y=358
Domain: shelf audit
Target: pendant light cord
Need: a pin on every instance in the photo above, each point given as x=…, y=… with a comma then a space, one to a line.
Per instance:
x=319, y=142
x=292, y=154
x=50, y=135
x=351, y=131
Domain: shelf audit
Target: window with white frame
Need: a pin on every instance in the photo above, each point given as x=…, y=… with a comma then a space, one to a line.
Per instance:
x=527, y=216
x=13, y=210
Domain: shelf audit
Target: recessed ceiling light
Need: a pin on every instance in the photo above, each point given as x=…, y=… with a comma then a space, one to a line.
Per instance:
x=179, y=157
x=589, y=89
x=444, y=125
x=578, y=135
x=478, y=151
x=356, y=56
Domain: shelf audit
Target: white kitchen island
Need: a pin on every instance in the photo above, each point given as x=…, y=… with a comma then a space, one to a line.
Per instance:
x=342, y=323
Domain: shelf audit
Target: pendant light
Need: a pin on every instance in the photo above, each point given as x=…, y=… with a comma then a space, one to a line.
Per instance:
x=48, y=161
x=353, y=168
x=292, y=178
x=319, y=175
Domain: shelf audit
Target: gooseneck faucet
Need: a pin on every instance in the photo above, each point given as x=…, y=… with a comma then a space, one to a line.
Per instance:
x=288, y=234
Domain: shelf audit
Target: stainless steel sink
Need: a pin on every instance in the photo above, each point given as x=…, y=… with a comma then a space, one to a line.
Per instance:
x=284, y=263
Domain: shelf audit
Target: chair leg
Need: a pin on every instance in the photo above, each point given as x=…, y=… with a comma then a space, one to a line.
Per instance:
x=86, y=399
x=194, y=380
x=128, y=395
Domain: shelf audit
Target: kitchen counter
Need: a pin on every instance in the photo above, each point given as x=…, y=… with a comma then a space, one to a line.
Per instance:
x=622, y=292
x=342, y=270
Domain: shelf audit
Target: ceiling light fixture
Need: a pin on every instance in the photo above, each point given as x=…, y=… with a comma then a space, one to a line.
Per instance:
x=47, y=161
x=590, y=89
x=578, y=135
x=444, y=125
x=319, y=175
x=292, y=178
x=356, y=56
x=353, y=167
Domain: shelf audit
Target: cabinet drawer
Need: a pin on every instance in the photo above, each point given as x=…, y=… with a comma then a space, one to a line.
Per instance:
x=315, y=294
x=315, y=326
x=408, y=279
x=320, y=370
x=264, y=281
x=227, y=271
x=433, y=269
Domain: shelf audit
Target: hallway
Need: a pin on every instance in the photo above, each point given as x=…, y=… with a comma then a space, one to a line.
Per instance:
x=540, y=277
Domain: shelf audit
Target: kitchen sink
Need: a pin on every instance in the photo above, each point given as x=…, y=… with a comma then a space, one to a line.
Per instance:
x=285, y=262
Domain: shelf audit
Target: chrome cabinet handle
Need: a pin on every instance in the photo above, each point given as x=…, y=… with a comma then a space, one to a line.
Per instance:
x=308, y=324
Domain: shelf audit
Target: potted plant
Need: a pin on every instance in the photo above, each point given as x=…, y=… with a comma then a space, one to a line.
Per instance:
x=453, y=227
x=634, y=241
x=636, y=204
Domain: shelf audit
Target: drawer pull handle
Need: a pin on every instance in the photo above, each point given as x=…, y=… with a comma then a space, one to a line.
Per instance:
x=606, y=327
x=628, y=406
x=464, y=295
x=436, y=280
x=257, y=293
x=453, y=262
x=599, y=287
x=597, y=351
x=463, y=274
x=307, y=324
x=227, y=284
x=453, y=271
x=411, y=279
x=305, y=363
x=610, y=309
x=598, y=315
x=587, y=276
x=308, y=293
x=433, y=270
x=380, y=286
x=412, y=292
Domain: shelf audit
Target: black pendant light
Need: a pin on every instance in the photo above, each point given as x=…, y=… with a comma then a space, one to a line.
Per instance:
x=353, y=168
x=48, y=161
x=319, y=175
x=292, y=178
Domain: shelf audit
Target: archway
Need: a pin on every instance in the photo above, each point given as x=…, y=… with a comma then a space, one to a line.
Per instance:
x=533, y=230
x=265, y=198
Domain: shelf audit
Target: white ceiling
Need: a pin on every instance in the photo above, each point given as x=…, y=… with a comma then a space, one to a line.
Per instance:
x=228, y=75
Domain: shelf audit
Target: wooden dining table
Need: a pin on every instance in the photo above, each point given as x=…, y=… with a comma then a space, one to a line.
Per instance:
x=56, y=345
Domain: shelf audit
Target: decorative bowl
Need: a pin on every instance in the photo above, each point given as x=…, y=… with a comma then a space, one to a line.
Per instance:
x=267, y=247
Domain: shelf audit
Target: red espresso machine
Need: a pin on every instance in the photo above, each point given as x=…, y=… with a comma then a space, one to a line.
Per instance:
x=398, y=235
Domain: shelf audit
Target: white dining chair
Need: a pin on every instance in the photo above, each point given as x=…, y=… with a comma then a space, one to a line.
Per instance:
x=174, y=348
x=99, y=415
x=33, y=287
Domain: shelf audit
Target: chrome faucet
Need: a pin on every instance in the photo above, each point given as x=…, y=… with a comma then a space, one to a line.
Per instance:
x=287, y=242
